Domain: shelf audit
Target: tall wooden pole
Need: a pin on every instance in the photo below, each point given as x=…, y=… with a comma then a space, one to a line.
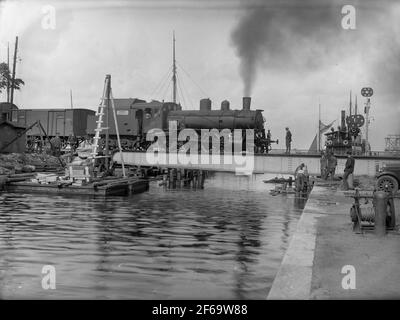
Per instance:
x=107, y=114
x=13, y=72
x=8, y=66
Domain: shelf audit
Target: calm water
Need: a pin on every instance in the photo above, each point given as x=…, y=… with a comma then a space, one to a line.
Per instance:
x=225, y=241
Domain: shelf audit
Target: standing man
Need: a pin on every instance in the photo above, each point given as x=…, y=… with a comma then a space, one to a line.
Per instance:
x=55, y=144
x=348, y=170
x=324, y=165
x=332, y=163
x=268, y=140
x=288, y=140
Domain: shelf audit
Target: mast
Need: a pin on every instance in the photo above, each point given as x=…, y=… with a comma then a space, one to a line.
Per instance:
x=13, y=73
x=8, y=66
x=173, y=70
x=350, y=103
x=355, y=107
x=70, y=93
x=319, y=126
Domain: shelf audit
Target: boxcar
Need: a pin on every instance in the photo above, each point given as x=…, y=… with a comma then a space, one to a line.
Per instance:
x=63, y=122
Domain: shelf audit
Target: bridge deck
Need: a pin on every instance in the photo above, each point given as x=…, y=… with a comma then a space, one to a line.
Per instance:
x=258, y=163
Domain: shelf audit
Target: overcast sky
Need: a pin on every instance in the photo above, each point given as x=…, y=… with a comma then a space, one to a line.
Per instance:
x=288, y=55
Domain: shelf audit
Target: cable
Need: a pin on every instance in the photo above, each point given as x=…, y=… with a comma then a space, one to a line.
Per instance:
x=165, y=92
x=192, y=80
x=188, y=95
x=180, y=89
x=162, y=82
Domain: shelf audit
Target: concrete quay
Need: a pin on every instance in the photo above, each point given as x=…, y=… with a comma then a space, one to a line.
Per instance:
x=324, y=243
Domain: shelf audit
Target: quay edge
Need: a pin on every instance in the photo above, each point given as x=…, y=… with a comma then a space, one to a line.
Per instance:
x=324, y=243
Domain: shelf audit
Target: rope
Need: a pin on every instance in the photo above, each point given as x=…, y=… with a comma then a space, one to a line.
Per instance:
x=192, y=80
x=180, y=89
x=162, y=82
x=187, y=94
x=165, y=92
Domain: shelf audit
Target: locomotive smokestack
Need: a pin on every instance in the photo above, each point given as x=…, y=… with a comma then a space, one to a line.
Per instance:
x=343, y=124
x=246, y=103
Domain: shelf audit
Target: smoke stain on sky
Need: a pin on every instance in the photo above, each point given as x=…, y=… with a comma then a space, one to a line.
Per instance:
x=307, y=37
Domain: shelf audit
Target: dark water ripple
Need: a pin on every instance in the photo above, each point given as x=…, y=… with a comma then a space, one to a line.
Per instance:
x=225, y=241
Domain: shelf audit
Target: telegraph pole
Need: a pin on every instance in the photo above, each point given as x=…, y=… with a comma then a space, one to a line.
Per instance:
x=13, y=72
x=173, y=70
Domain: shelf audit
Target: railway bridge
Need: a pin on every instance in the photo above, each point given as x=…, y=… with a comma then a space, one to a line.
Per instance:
x=276, y=162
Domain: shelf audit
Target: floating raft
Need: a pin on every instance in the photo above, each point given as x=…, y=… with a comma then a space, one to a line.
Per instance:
x=103, y=188
x=278, y=180
x=277, y=191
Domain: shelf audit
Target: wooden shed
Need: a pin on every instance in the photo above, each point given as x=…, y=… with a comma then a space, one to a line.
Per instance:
x=10, y=131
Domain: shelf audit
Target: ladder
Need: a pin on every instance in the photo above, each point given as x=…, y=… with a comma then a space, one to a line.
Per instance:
x=107, y=93
x=100, y=113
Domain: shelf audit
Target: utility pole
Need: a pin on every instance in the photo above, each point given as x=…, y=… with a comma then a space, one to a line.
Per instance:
x=173, y=70
x=13, y=72
x=8, y=66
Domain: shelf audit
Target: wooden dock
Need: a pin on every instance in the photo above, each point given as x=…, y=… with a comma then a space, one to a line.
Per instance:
x=103, y=188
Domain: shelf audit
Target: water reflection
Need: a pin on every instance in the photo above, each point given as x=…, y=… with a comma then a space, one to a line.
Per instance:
x=225, y=241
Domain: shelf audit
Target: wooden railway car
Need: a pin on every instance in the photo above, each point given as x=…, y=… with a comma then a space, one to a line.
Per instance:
x=64, y=122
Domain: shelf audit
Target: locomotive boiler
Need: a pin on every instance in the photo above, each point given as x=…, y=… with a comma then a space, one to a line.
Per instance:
x=205, y=118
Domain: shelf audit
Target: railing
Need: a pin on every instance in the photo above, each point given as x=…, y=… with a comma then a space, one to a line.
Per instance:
x=302, y=152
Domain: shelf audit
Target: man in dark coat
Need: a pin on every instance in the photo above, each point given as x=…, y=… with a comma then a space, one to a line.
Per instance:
x=288, y=140
x=348, y=169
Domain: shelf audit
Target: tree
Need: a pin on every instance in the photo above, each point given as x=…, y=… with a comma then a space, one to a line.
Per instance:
x=5, y=77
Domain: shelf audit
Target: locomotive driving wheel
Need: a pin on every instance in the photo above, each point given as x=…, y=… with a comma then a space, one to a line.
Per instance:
x=387, y=183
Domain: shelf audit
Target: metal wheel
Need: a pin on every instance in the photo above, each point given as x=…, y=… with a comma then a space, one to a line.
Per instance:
x=387, y=183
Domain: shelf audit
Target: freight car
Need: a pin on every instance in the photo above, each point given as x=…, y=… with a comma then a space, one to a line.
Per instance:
x=62, y=122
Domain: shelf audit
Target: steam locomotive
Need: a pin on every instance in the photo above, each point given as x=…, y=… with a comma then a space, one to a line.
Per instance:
x=136, y=118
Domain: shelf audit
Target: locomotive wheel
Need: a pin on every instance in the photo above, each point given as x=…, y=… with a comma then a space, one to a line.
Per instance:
x=387, y=183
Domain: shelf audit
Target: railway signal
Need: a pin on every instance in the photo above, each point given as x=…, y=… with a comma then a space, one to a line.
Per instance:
x=367, y=92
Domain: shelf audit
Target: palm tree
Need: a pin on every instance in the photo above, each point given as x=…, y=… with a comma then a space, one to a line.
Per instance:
x=5, y=78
